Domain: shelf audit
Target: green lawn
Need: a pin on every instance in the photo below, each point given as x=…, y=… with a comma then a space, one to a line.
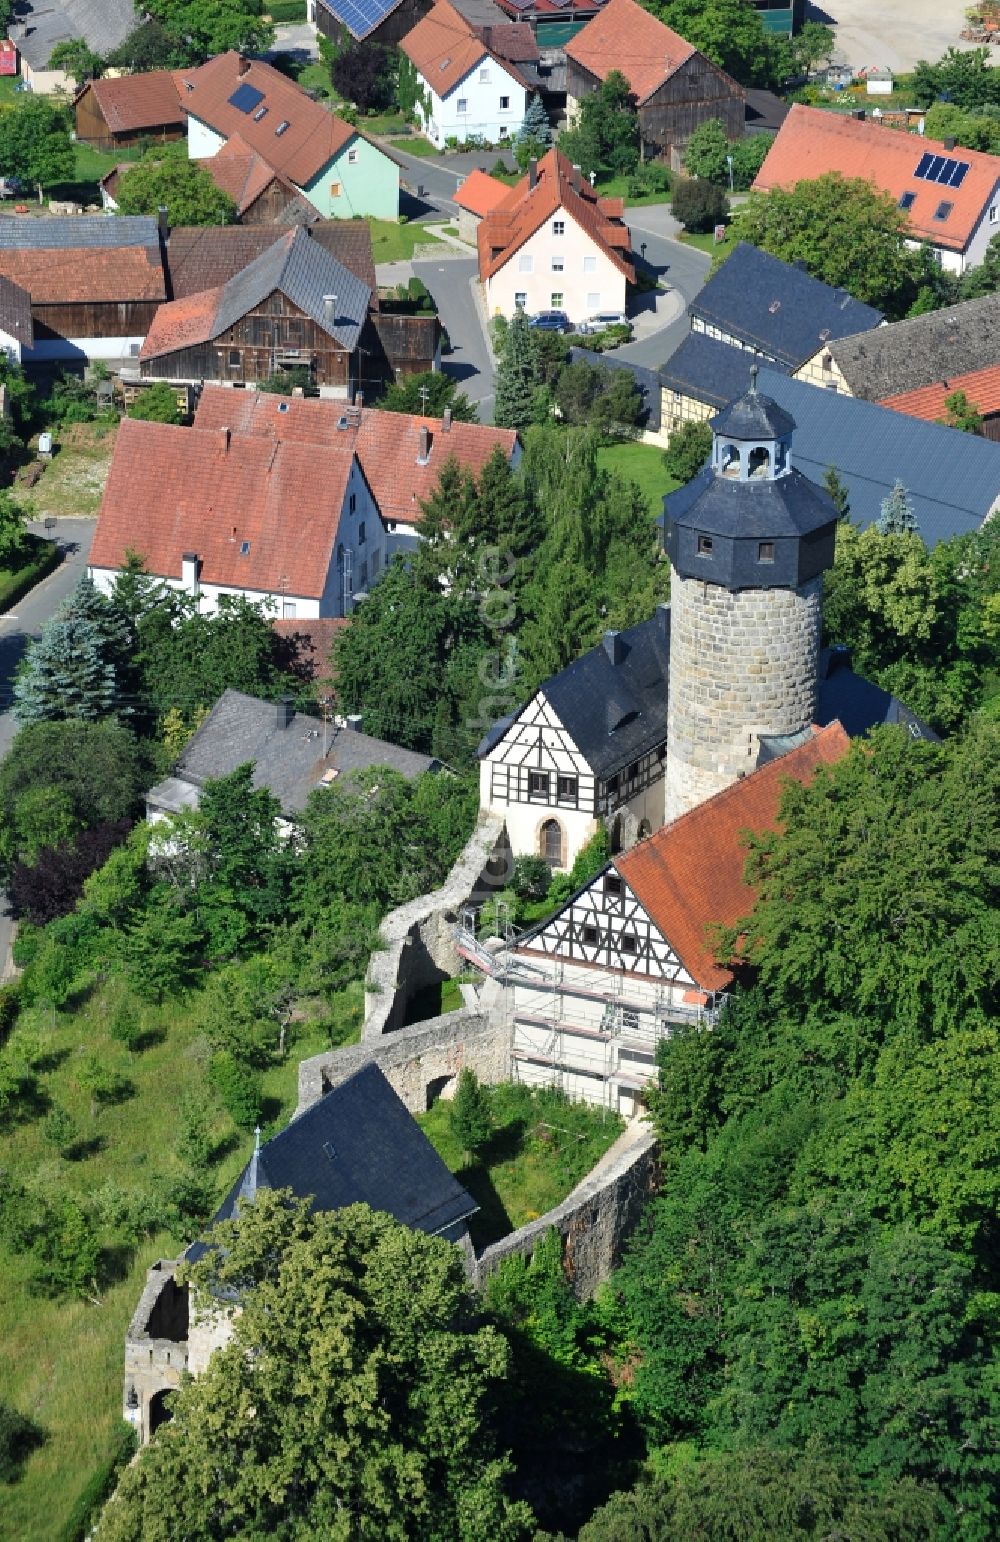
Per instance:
x=384, y=123
x=395, y=243
x=643, y=464
x=708, y=243
x=416, y=144
x=541, y=1147
x=617, y=187
x=61, y=1360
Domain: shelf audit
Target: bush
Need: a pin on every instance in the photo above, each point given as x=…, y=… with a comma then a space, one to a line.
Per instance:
x=284, y=11
x=651, y=177
x=10, y=1006
x=156, y=404
x=699, y=205
x=689, y=448
x=100, y=1486
x=239, y=1088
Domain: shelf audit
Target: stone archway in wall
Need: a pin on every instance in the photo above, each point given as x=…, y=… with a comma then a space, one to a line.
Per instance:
x=160, y=1411
x=645, y=830
x=617, y=836
x=439, y=1087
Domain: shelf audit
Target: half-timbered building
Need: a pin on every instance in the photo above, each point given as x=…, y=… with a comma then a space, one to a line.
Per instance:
x=630, y=955
x=588, y=748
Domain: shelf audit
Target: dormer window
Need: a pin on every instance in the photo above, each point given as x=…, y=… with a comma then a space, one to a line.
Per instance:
x=704, y=546
x=765, y=551
x=943, y=210
x=907, y=201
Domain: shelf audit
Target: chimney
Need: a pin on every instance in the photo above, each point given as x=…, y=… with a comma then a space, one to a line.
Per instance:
x=424, y=453
x=532, y=173
x=189, y=572
x=243, y=68
x=446, y=421
x=353, y=721
x=227, y=435
x=613, y=647
x=948, y=143
x=163, y=222
x=663, y=620
x=283, y=712
x=577, y=176
x=330, y=309
x=487, y=36
x=359, y=399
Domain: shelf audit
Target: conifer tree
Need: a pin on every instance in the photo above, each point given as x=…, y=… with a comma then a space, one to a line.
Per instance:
x=73, y=669
x=896, y=516
x=515, y=396
x=535, y=135
x=470, y=1113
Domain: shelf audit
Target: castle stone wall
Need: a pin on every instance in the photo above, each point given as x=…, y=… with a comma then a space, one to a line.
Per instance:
x=741, y=664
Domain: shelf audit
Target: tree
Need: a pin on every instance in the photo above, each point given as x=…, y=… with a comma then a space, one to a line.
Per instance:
x=207, y=27
x=749, y=155
x=239, y=1087
x=162, y=949
x=51, y=885
x=35, y=144
x=896, y=516
x=244, y=890
x=470, y=1115
x=77, y=58
x=731, y=34
x=101, y=1082
x=843, y=231
x=67, y=1252
x=74, y=668
x=535, y=134
x=962, y=414
x=428, y=395
x=515, y=383
x=838, y=492
x=966, y=78
x=156, y=404
x=148, y=47
x=13, y=517
x=688, y=451
x=607, y=399
x=706, y=151
x=184, y=188
x=984, y=278
x=363, y=73
x=604, y=137
x=362, y=1352
x=699, y=205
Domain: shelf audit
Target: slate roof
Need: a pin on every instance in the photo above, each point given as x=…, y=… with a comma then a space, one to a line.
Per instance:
x=614, y=713
x=647, y=380
x=132, y=102
x=172, y=490
x=296, y=266
x=77, y=232
x=752, y=416
x=812, y=142
x=103, y=23
x=921, y=350
x=387, y=444
x=313, y=136
x=288, y=761
x=357, y=1145
x=688, y=877
x=778, y=309
x=953, y=481
x=444, y=47
x=981, y=386
x=558, y=189
x=201, y=257
x=858, y=704
x=623, y=36
x=15, y=312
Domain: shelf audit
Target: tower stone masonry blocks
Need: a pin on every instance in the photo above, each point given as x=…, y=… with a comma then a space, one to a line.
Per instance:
x=748, y=541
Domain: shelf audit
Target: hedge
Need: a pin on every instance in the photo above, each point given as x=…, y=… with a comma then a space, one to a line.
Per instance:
x=101, y=1486
x=287, y=10
x=14, y=586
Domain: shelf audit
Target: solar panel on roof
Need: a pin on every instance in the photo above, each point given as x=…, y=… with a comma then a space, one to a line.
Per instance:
x=922, y=166
x=941, y=168
x=245, y=98
x=958, y=174
x=361, y=16
x=520, y=5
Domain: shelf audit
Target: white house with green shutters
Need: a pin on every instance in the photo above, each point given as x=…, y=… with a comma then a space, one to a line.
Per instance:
x=342, y=172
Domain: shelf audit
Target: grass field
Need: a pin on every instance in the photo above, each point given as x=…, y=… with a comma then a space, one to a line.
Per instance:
x=395, y=243
x=73, y=480
x=617, y=187
x=643, y=464
x=415, y=144
x=541, y=1147
x=61, y=1361
x=708, y=243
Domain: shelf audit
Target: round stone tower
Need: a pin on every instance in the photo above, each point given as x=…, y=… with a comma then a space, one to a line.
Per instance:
x=748, y=541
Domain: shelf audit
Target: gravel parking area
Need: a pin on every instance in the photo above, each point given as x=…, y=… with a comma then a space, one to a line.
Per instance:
x=894, y=34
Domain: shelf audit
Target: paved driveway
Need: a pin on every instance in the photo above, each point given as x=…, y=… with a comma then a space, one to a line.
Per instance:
x=16, y=630
x=450, y=282
x=683, y=268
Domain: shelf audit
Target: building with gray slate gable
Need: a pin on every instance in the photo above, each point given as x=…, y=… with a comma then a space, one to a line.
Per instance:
x=292, y=754
x=916, y=352
x=953, y=478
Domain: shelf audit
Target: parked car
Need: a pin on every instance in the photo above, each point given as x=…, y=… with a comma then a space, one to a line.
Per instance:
x=10, y=187
x=550, y=321
x=604, y=319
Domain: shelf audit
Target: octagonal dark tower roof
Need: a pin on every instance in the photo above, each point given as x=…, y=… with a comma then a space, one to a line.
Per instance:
x=753, y=417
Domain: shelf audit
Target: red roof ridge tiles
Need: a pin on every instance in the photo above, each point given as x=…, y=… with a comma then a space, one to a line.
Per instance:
x=212, y=491
x=313, y=137
x=524, y=210
x=387, y=444
x=625, y=37
x=689, y=875
x=812, y=142
x=981, y=386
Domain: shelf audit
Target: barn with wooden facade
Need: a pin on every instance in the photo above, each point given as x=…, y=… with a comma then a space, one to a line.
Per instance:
x=294, y=307
x=382, y=22
x=95, y=284
x=675, y=87
x=111, y=114
x=262, y=195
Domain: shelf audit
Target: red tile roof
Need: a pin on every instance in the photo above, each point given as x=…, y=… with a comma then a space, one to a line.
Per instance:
x=981, y=386
x=182, y=323
x=480, y=193
x=172, y=490
x=627, y=38
x=310, y=647
x=811, y=142
x=203, y=256
x=313, y=136
x=133, y=102
x=387, y=444
x=688, y=877
x=444, y=47
x=66, y=275
x=525, y=209
x=242, y=173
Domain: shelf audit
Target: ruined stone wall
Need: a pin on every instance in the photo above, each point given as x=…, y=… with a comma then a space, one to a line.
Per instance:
x=595, y=1220
x=741, y=664
x=156, y=1345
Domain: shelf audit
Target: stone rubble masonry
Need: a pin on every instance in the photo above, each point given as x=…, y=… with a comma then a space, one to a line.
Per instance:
x=741, y=664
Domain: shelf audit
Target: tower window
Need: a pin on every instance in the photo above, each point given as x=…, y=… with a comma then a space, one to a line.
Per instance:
x=765, y=551
x=704, y=546
x=760, y=461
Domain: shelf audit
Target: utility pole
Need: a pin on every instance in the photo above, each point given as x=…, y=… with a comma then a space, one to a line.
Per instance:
x=424, y=393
